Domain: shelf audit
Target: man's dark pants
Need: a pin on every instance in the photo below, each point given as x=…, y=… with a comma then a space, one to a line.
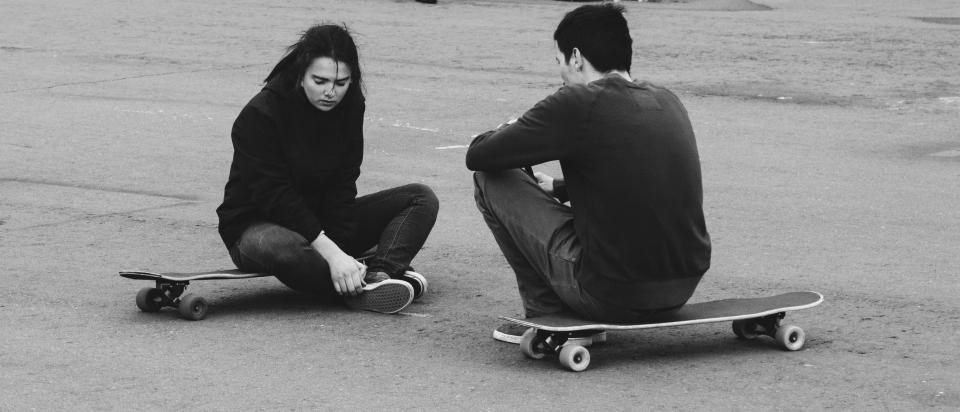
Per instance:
x=536, y=235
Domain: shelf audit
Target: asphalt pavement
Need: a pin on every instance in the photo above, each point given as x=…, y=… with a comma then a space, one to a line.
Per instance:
x=829, y=135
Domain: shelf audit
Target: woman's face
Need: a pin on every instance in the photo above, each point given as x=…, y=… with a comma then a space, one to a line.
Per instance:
x=325, y=83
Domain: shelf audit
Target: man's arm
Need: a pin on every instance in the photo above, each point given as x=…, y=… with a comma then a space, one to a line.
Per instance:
x=542, y=134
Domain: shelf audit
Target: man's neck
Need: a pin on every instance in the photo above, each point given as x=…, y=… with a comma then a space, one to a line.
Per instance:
x=625, y=75
x=595, y=75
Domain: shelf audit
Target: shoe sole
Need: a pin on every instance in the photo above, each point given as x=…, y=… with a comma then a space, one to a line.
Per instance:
x=506, y=337
x=582, y=341
x=417, y=281
x=389, y=296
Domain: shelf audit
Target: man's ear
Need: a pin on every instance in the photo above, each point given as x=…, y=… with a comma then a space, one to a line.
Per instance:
x=577, y=59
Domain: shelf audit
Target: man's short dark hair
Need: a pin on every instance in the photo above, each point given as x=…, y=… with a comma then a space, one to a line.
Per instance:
x=601, y=34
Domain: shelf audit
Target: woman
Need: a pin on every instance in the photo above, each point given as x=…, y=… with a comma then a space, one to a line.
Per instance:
x=290, y=205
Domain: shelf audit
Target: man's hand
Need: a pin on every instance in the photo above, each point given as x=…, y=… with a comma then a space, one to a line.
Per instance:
x=507, y=123
x=545, y=182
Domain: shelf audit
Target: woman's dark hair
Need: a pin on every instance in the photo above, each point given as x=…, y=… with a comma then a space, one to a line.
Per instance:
x=322, y=40
x=601, y=34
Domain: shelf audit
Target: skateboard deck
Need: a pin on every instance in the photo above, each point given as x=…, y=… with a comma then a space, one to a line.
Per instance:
x=189, y=276
x=170, y=287
x=751, y=317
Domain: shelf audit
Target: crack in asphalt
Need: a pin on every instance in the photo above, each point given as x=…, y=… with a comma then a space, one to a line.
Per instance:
x=517, y=71
x=142, y=76
x=102, y=215
x=100, y=188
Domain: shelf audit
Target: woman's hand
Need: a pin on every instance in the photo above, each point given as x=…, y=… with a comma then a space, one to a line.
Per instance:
x=345, y=272
x=347, y=275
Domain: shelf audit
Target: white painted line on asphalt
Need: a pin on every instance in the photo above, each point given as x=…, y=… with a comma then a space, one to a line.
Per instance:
x=458, y=146
x=138, y=111
x=947, y=153
x=416, y=315
x=161, y=112
x=408, y=126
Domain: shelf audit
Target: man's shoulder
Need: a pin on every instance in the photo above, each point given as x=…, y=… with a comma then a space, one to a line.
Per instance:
x=647, y=94
x=573, y=97
x=653, y=88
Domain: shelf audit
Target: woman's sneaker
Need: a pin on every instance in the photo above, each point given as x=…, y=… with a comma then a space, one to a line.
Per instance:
x=374, y=277
x=417, y=281
x=387, y=296
x=512, y=333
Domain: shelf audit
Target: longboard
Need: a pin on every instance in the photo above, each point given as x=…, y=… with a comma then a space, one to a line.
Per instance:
x=751, y=317
x=171, y=285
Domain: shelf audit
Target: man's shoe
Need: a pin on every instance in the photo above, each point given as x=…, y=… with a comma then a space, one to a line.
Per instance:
x=509, y=332
x=513, y=333
x=417, y=281
x=388, y=296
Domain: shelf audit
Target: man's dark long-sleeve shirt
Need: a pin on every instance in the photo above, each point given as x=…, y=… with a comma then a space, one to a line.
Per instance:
x=632, y=174
x=293, y=165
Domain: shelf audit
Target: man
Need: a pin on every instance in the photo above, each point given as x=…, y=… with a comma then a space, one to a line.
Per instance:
x=632, y=241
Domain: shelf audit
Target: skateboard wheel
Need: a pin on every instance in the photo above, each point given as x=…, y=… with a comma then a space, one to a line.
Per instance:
x=192, y=307
x=745, y=329
x=150, y=299
x=790, y=337
x=531, y=344
x=574, y=357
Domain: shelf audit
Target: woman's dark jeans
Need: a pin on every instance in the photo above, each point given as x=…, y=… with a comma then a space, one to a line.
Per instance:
x=397, y=221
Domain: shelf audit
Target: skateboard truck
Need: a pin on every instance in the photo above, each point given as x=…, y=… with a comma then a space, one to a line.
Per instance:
x=789, y=337
x=170, y=293
x=537, y=343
